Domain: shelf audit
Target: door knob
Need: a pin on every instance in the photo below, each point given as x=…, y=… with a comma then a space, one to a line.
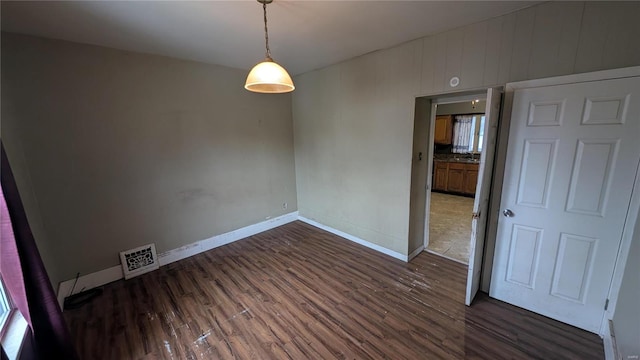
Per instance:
x=508, y=213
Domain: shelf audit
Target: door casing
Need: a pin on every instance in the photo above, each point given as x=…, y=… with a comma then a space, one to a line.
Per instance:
x=435, y=101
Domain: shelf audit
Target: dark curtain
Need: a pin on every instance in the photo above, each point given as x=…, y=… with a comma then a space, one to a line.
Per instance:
x=27, y=281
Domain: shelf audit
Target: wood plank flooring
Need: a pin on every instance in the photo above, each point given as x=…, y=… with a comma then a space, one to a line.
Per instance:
x=297, y=292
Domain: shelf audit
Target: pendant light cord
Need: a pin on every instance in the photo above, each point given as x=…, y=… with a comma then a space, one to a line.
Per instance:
x=266, y=32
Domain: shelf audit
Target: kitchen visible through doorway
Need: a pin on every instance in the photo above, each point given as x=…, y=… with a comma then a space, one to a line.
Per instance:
x=457, y=148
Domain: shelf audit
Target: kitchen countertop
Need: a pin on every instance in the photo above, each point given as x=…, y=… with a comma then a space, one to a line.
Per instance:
x=459, y=160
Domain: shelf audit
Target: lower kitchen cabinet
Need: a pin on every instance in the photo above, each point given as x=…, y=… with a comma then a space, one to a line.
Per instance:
x=440, y=175
x=455, y=177
x=470, y=179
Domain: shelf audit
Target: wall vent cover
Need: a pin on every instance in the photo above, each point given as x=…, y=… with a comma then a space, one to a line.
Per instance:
x=139, y=260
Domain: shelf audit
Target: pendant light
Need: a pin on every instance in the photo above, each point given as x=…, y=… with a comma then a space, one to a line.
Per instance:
x=268, y=76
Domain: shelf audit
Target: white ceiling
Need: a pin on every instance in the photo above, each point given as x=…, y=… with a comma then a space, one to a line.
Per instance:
x=303, y=35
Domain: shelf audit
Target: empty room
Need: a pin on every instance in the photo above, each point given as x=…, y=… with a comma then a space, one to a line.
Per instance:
x=280, y=179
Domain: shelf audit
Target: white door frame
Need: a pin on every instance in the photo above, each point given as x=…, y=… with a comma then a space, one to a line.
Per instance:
x=503, y=137
x=441, y=100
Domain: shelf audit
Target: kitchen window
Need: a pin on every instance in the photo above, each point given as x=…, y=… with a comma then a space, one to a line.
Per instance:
x=468, y=133
x=477, y=134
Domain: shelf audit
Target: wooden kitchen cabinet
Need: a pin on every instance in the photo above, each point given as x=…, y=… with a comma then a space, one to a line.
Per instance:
x=440, y=175
x=470, y=178
x=455, y=177
x=443, y=130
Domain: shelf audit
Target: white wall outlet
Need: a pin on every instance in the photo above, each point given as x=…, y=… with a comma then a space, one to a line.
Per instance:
x=284, y=205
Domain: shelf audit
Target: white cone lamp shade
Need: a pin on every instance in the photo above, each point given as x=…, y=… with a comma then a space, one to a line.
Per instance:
x=269, y=77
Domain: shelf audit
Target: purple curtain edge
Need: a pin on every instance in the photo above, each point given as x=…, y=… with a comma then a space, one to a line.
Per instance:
x=50, y=332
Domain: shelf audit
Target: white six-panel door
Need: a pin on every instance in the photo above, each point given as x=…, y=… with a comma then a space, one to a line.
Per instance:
x=483, y=192
x=572, y=158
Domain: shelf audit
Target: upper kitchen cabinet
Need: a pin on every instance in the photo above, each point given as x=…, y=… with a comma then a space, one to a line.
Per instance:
x=443, y=130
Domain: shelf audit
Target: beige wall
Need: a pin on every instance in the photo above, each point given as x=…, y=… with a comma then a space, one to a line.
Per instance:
x=353, y=140
x=354, y=120
x=114, y=149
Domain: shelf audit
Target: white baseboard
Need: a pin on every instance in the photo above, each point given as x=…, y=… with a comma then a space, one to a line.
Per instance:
x=416, y=252
x=609, y=342
x=362, y=242
x=186, y=251
x=114, y=273
x=89, y=281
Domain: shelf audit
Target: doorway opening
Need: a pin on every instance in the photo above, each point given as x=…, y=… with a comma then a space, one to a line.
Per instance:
x=464, y=167
x=457, y=147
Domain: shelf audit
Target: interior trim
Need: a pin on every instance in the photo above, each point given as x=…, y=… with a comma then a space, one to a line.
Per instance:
x=355, y=239
x=416, y=252
x=114, y=273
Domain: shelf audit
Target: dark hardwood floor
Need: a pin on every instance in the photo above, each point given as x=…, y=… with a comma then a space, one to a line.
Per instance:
x=297, y=292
